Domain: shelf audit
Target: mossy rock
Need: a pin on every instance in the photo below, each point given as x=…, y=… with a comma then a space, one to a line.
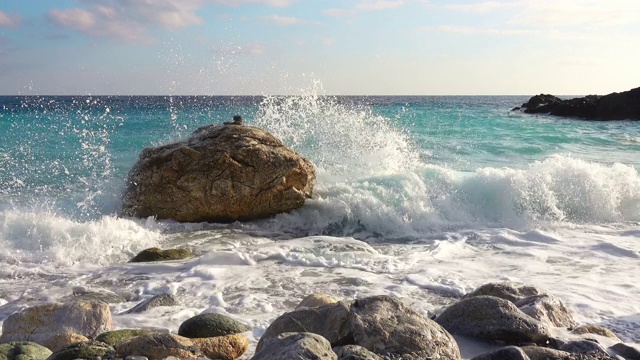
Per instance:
x=157, y=254
x=85, y=350
x=23, y=350
x=115, y=337
x=210, y=325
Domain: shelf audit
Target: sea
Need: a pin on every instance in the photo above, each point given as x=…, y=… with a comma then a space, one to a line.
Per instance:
x=419, y=197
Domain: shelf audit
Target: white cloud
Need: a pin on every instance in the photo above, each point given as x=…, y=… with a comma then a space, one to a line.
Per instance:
x=485, y=31
x=481, y=7
x=129, y=20
x=10, y=20
x=364, y=6
x=287, y=20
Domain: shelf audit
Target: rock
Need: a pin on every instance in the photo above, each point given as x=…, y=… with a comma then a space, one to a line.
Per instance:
x=548, y=309
x=211, y=325
x=57, y=342
x=385, y=325
x=295, y=346
x=223, y=347
x=329, y=321
x=158, y=300
x=156, y=254
x=115, y=337
x=355, y=352
x=615, y=106
x=627, y=351
x=80, y=293
x=219, y=174
x=316, y=300
x=132, y=357
x=23, y=350
x=507, y=291
x=506, y=353
x=492, y=318
x=594, y=329
x=542, y=353
x=158, y=346
x=582, y=347
x=41, y=322
x=84, y=350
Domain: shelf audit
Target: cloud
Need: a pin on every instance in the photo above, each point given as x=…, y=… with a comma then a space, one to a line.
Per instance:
x=485, y=31
x=480, y=7
x=130, y=20
x=286, y=20
x=364, y=6
x=10, y=20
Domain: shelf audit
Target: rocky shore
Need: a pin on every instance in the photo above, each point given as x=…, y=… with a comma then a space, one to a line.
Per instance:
x=616, y=106
x=511, y=321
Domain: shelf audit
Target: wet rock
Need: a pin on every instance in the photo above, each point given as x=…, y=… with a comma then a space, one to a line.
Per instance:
x=507, y=291
x=57, y=342
x=84, y=350
x=80, y=293
x=583, y=346
x=219, y=174
x=355, y=352
x=295, y=346
x=506, y=353
x=23, y=350
x=316, y=300
x=158, y=346
x=41, y=322
x=594, y=329
x=629, y=352
x=157, y=254
x=115, y=337
x=548, y=309
x=211, y=325
x=223, y=347
x=385, y=325
x=492, y=318
x=329, y=321
x=156, y=301
x=542, y=353
x=615, y=106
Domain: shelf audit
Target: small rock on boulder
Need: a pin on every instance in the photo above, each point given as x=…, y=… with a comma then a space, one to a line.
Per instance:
x=23, y=350
x=295, y=346
x=157, y=254
x=219, y=174
x=228, y=347
x=492, y=318
x=211, y=325
x=41, y=322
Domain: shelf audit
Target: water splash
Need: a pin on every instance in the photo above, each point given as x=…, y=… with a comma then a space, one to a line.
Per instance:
x=343, y=140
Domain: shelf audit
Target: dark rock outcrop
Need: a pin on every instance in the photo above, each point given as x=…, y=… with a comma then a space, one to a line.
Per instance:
x=157, y=254
x=220, y=174
x=615, y=106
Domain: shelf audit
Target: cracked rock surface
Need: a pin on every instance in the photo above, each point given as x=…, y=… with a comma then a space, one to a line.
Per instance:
x=222, y=173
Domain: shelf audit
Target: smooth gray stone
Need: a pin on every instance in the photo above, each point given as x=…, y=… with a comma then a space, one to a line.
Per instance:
x=492, y=318
x=629, y=352
x=295, y=346
x=583, y=346
x=506, y=353
x=156, y=301
x=355, y=352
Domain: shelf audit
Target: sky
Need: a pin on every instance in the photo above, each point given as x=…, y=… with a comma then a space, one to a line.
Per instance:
x=339, y=47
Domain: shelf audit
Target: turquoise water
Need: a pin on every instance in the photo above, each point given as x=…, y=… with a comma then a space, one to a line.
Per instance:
x=70, y=155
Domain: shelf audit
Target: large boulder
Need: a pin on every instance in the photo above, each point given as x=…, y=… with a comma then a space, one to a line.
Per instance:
x=39, y=323
x=211, y=325
x=221, y=174
x=615, y=106
x=385, y=325
x=227, y=347
x=158, y=346
x=492, y=318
